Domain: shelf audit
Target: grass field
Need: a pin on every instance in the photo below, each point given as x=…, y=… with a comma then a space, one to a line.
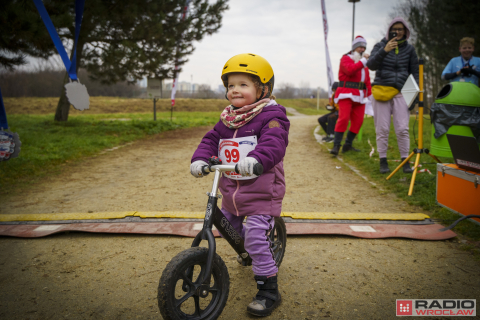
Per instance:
x=100, y=105
x=305, y=106
x=424, y=192
x=112, y=105
x=46, y=145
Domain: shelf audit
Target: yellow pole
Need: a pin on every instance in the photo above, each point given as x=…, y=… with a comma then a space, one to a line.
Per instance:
x=400, y=166
x=420, y=106
x=420, y=127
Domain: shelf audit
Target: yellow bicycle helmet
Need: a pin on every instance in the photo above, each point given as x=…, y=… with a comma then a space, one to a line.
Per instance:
x=252, y=64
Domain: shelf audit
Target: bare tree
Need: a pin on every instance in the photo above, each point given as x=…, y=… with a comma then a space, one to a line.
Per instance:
x=44, y=80
x=285, y=91
x=305, y=91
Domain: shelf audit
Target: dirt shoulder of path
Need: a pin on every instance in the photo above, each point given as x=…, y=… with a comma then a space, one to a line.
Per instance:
x=115, y=276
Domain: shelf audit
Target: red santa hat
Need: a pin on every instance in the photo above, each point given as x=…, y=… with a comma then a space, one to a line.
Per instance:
x=359, y=41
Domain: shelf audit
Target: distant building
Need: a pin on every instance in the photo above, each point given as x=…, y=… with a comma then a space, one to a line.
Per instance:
x=182, y=86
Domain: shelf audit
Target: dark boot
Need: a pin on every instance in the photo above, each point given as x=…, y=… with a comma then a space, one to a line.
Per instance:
x=347, y=148
x=267, y=298
x=349, y=138
x=337, y=140
x=384, y=165
x=406, y=167
x=336, y=149
x=348, y=142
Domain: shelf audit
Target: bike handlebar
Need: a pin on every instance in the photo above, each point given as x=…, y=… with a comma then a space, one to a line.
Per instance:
x=257, y=168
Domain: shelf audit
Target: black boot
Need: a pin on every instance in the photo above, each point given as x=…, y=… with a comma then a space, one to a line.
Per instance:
x=384, y=165
x=267, y=298
x=336, y=149
x=337, y=140
x=347, y=148
x=348, y=142
x=406, y=167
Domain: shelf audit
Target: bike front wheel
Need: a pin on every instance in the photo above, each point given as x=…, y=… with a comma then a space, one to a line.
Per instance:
x=179, y=295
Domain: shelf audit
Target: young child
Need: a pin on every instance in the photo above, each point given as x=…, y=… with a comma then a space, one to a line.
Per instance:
x=253, y=129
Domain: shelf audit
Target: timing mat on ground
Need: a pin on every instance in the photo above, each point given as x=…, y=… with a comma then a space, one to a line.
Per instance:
x=188, y=224
x=201, y=215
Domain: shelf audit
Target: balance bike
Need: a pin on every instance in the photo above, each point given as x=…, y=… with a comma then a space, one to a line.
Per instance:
x=195, y=283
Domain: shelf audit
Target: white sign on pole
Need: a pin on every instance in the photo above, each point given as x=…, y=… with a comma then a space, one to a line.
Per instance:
x=77, y=95
x=154, y=88
x=410, y=90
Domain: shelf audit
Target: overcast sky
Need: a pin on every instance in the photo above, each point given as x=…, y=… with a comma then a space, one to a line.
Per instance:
x=289, y=34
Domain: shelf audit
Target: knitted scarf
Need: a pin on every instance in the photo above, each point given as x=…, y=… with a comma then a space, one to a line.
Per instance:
x=235, y=119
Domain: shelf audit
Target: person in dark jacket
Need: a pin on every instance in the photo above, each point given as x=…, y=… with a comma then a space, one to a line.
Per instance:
x=393, y=59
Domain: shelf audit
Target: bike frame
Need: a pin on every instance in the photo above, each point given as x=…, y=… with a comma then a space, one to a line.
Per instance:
x=214, y=216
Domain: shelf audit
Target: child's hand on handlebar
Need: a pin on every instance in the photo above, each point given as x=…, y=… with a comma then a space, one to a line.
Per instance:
x=245, y=167
x=196, y=168
x=213, y=161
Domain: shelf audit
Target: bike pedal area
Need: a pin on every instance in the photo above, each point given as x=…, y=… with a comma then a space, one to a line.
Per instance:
x=187, y=224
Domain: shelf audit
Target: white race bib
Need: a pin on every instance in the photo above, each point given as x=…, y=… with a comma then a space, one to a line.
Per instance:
x=232, y=151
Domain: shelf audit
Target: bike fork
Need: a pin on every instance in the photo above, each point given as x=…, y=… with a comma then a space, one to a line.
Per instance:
x=214, y=216
x=207, y=234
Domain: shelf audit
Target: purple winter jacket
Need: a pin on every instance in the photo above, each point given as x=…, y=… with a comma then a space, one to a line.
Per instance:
x=262, y=195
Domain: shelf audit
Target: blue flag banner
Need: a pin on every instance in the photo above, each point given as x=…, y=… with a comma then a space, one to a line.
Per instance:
x=69, y=65
x=3, y=115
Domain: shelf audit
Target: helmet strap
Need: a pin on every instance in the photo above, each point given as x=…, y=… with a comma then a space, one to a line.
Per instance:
x=262, y=95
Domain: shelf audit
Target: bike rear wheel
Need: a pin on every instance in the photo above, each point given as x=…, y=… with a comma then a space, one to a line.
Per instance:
x=179, y=294
x=278, y=240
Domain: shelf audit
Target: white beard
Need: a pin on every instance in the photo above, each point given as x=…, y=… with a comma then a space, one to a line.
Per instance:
x=356, y=56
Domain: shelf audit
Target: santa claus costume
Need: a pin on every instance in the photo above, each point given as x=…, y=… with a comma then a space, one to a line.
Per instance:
x=351, y=95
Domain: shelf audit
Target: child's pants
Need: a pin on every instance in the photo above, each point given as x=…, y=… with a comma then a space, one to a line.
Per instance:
x=383, y=112
x=255, y=232
x=350, y=110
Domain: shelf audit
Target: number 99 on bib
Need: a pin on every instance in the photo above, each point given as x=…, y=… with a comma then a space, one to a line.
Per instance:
x=232, y=151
